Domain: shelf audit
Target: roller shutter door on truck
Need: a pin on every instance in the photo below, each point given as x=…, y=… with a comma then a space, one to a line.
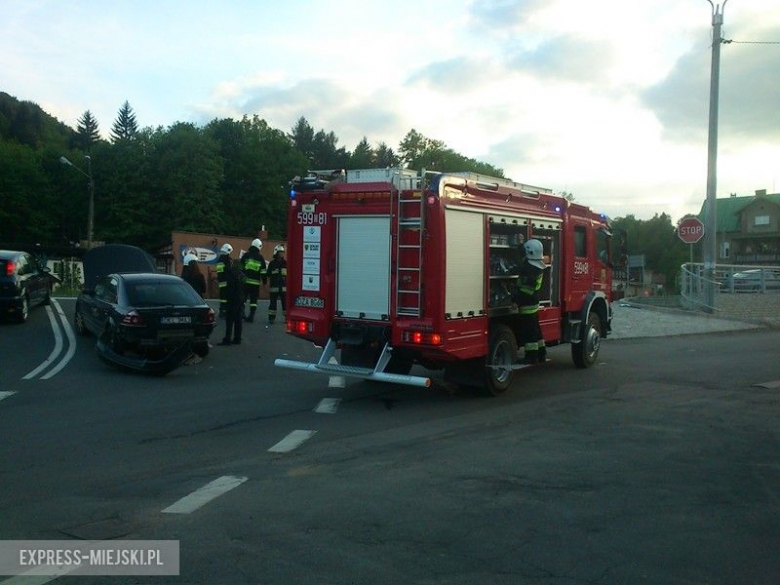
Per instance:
x=363, y=265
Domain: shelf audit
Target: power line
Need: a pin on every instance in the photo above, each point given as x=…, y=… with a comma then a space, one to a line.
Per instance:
x=729, y=41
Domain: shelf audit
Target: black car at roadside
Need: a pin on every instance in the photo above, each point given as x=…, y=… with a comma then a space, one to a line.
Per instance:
x=23, y=284
x=145, y=314
x=144, y=321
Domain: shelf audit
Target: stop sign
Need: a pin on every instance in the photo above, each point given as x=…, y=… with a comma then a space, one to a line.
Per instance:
x=690, y=230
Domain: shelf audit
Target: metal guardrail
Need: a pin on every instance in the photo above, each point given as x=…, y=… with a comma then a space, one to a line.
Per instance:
x=729, y=279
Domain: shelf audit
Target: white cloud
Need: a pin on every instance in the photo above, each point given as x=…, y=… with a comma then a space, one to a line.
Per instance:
x=602, y=98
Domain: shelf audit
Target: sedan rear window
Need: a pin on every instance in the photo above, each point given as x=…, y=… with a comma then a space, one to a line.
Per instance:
x=155, y=294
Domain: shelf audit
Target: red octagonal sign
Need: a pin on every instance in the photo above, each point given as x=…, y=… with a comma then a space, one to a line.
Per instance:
x=690, y=230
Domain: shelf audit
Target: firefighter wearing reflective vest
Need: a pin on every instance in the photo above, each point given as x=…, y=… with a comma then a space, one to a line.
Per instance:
x=254, y=268
x=526, y=296
x=223, y=265
x=277, y=282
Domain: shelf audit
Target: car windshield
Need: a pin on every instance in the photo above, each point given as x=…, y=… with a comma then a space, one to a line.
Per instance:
x=155, y=294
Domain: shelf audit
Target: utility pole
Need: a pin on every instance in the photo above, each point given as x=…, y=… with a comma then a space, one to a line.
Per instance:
x=709, y=246
x=91, y=219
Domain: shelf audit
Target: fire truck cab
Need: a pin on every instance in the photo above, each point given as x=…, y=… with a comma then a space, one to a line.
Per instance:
x=395, y=268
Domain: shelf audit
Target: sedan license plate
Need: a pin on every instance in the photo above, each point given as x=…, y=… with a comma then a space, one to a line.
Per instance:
x=312, y=302
x=176, y=320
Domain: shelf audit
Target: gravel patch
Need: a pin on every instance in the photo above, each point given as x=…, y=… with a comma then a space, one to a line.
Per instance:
x=631, y=321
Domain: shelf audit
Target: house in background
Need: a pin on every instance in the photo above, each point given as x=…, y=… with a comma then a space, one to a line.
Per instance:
x=748, y=229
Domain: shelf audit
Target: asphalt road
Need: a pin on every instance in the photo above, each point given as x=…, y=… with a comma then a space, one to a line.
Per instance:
x=658, y=465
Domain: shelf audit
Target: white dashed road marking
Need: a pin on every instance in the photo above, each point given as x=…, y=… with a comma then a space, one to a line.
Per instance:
x=328, y=406
x=292, y=441
x=769, y=385
x=6, y=394
x=336, y=381
x=205, y=494
x=32, y=577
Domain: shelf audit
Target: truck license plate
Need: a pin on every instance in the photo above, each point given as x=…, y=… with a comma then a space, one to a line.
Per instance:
x=175, y=320
x=312, y=302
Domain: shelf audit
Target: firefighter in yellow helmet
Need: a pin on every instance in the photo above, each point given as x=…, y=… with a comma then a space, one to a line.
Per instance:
x=277, y=282
x=526, y=297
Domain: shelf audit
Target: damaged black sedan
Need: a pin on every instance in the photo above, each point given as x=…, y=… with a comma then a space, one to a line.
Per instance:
x=144, y=321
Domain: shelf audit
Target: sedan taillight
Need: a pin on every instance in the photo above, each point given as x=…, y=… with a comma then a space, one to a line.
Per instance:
x=133, y=319
x=10, y=268
x=210, y=317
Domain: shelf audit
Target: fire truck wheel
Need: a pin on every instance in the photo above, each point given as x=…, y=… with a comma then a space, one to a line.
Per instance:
x=586, y=352
x=502, y=354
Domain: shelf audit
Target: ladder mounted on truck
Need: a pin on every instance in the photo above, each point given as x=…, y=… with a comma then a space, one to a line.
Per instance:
x=409, y=213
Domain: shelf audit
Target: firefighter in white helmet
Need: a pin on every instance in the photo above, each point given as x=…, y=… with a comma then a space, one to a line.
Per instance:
x=277, y=282
x=223, y=265
x=192, y=274
x=526, y=297
x=254, y=268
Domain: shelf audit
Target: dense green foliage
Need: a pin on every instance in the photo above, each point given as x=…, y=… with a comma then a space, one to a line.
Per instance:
x=228, y=177
x=657, y=239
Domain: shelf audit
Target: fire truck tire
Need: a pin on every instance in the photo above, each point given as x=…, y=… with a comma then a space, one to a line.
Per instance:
x=586, y=352
x=502, y=354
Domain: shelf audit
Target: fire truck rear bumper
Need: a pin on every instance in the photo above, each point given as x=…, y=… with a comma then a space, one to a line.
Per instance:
x=327, y=367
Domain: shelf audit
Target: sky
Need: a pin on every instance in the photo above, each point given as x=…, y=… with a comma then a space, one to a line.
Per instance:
x=604, y=99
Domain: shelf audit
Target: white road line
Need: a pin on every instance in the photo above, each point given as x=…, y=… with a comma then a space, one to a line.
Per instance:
x=336, y=381
x=292, y=441
x=769, y=385
x=205, y=494
x=33, y=578
x=6, y=394
x=57, y=346
x=328, y=406
x=71, y=340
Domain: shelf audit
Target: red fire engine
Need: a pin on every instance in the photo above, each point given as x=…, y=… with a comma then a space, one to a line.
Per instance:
x=396, y=268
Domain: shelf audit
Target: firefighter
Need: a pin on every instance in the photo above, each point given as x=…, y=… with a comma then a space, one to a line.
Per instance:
x=192, y=274
x=254, y=268
x=526, y=297
x=277, y=282
x=223, y=263
x=234, y=297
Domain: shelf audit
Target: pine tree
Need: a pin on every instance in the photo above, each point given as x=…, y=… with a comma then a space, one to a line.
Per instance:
x=125, y=127
x=87, y=131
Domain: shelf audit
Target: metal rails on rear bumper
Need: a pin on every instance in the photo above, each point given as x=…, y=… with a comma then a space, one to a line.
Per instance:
x=376, y=374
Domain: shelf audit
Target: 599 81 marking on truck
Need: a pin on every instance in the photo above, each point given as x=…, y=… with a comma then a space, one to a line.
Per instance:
x=395, y=268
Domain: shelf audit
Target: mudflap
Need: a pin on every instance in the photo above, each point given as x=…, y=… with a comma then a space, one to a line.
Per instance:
x=143, y=365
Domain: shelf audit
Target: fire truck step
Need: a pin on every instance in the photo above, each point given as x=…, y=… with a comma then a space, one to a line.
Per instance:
x=344, y=369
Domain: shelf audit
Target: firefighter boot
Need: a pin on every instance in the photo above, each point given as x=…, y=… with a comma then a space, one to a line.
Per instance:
x=251, y=317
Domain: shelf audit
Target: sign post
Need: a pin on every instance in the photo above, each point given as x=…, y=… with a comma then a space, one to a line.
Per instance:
x=690, y=230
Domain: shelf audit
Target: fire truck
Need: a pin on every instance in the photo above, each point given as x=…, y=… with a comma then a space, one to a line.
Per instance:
x=392, y=268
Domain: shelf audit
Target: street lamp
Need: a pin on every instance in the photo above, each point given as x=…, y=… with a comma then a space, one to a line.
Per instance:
x=88, y=174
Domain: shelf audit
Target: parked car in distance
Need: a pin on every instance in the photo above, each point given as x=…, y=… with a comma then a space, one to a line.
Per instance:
x=145, y=314
x=23, y=284
x=752, y=280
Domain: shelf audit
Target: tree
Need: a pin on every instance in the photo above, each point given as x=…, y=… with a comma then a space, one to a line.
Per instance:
x=125, y=126
x=259, y=161
x=657, y=239
x=302, y=136
x=325, y=153
x=385, y=157
x=418, y=152
x=27, y=213
x=363, y=157
x=87, y=131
